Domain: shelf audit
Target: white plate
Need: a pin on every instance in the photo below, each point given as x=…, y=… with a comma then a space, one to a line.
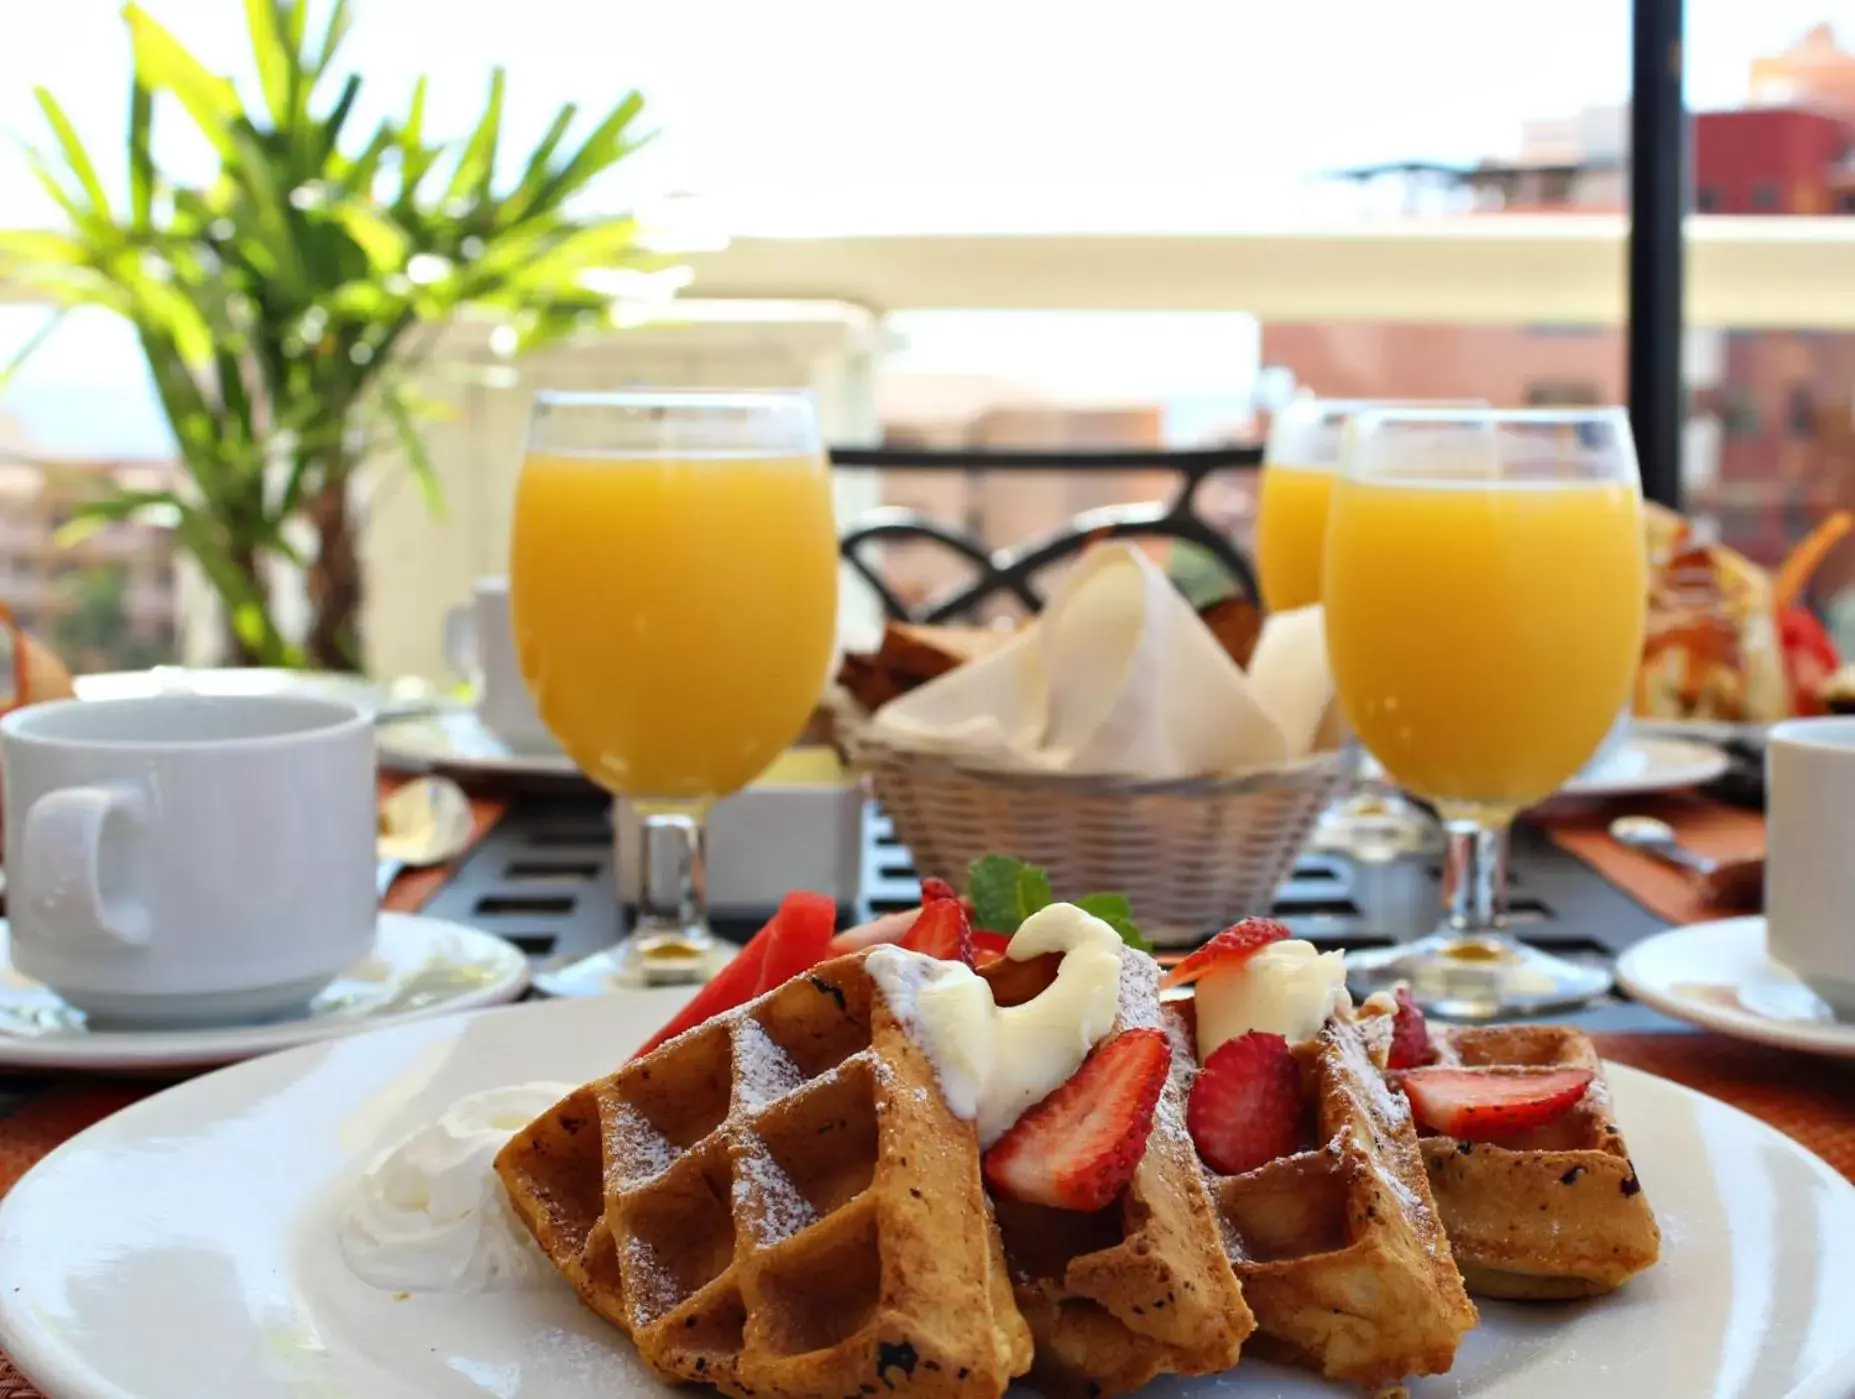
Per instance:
x=1649, y=763
x=1718, y=975
x=185, y=1247
x=420, y=967
x=457, y=741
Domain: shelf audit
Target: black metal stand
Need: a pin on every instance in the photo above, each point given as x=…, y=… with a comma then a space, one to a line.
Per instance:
x=1658, y=205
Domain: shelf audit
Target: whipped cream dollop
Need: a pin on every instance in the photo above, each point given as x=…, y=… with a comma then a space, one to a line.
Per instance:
x=996, y=1062
x=1287, y=988
x=430, y=1215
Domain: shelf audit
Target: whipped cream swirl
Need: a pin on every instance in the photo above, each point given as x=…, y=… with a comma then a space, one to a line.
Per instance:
x=430, y=1215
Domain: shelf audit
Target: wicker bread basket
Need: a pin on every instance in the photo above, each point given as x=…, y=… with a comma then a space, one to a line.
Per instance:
x=1192, y=856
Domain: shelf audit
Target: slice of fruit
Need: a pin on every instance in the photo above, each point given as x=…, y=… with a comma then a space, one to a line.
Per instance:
x=1231, y=945
x=988, y=947
x=1077, y=1148
x=942, y=931
x=798, y=938
x=795, y=939
x=1245, y=1107
x=934, y=890
x=1410, y=1035
x=1486, y=1105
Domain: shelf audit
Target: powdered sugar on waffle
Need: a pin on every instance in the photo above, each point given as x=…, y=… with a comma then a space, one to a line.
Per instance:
x=762, y=1069
x=641, y=1148
x=761, y=1186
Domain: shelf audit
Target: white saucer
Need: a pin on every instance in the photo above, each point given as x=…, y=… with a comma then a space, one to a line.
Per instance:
x=186, y=1247
x=1718, y=975
x=420, y=967
x=1649, y=763
x=371, y=697
x=457, y=741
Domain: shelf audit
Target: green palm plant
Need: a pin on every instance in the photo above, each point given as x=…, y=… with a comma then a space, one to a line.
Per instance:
x=285, y=305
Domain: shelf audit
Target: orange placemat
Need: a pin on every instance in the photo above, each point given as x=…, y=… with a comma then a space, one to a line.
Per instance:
x=1707, y=826
x=54, y=1110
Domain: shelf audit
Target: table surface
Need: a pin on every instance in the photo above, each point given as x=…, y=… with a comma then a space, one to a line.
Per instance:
x=1811, y=1099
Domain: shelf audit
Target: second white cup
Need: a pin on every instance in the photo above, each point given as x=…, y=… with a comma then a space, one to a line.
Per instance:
x=1810, y=859
x=479, y=642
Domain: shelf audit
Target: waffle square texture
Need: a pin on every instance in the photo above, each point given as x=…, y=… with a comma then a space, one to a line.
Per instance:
x=1339, y=1249
x=1556, y=1212
x=779, y=1203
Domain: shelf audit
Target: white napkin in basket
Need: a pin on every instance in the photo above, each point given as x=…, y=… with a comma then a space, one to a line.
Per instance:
x=1119, y=676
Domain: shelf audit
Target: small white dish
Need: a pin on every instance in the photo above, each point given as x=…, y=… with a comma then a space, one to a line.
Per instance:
x=420, y=967
x=1649, y=763
x=458, y=741
x=1719, y=975
x=187, y=1246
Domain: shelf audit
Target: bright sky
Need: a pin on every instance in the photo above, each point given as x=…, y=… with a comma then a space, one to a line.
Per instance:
x=811, y=115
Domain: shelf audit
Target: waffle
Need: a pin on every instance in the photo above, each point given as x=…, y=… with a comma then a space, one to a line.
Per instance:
x=1556, y=1213
x=1339, y=1249
x=780, y=1203
x=1141, y=1288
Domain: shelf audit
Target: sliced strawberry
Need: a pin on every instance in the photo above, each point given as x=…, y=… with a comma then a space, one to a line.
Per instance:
x=1231, y=945
x=799, y=937
x=934, y=890
x=989, y=947
x=1077, y=1148
x=1245, y=1107
x=1486, y=1105
x=942, y=931
x=1410, y=1035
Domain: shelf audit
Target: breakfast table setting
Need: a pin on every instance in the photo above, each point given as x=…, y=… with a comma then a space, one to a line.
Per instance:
x=906, y=1025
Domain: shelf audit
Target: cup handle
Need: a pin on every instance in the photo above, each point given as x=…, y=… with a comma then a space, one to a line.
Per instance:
x=460, y=641
x=60, y=873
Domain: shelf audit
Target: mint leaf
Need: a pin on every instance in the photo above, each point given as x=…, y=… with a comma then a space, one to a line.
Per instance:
x=1106, y=907
x=995, y=885
x=1005, y=891
x=1033, y=891
x=1130, y=933
x=1118, y=914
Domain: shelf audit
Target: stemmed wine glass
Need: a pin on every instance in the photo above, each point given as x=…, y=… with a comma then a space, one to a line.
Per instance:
x=1484, y=586
x=673, y=588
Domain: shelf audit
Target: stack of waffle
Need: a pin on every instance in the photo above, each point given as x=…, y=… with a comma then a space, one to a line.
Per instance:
x=779, y=1202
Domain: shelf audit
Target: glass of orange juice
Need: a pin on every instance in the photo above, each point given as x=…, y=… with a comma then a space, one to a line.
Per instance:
x=1372, y=822
x=1484, y=585
x=673, y=588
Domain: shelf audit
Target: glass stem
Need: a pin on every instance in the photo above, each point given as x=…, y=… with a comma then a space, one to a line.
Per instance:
x=673, y=890
x=1475, y=878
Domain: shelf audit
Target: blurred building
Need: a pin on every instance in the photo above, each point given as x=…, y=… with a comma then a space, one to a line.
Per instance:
x=1773, y=160
x=1816, y=73
x=103, y=601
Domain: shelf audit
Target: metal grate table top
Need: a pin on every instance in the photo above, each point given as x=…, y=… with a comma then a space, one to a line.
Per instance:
x=543, y=878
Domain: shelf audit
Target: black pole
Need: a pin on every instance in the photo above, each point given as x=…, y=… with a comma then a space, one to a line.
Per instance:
x=1658, y=203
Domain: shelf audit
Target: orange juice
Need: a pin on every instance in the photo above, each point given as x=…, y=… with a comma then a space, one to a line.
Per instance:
x=1483, y=634
x=1291, y=532
x=674, y=615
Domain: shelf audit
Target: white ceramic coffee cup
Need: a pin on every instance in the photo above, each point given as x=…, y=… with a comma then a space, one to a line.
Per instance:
x=1810, y=854
x=189, y=858
x=479, y=641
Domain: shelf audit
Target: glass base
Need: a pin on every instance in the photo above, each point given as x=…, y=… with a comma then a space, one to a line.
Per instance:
x=1375, y=827
x=1477, y=976
x=638, y=962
